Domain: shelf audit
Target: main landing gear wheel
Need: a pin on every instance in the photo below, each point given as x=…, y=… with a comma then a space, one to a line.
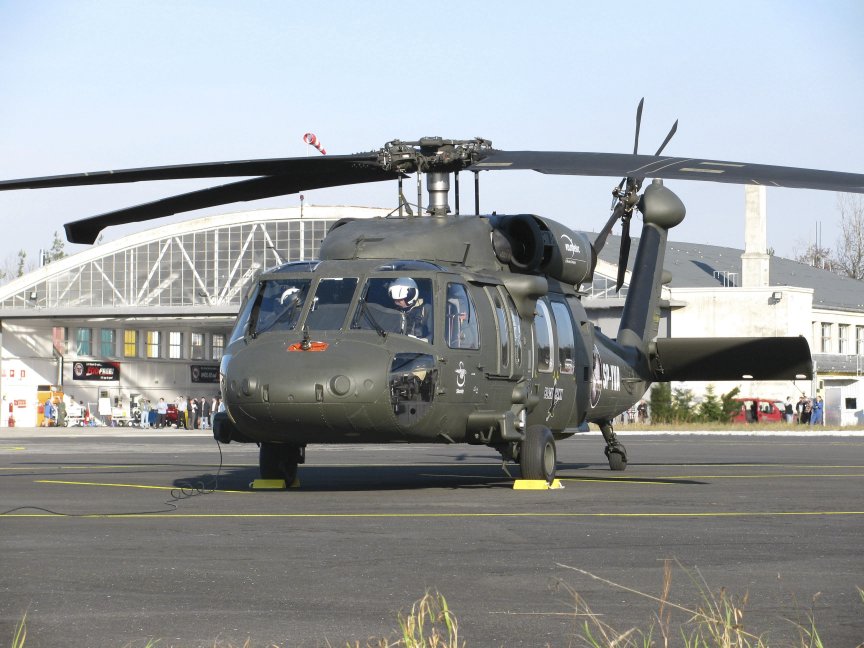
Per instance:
x=615, y=451
x=280, y=461
x=537, y=456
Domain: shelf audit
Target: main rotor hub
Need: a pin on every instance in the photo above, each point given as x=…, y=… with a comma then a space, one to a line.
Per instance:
x=432, y=154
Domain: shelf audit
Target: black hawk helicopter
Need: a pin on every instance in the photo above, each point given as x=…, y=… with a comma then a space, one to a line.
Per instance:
x=455, y=328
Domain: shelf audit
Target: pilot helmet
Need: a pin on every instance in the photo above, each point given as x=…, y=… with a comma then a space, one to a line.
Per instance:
x=404, y=288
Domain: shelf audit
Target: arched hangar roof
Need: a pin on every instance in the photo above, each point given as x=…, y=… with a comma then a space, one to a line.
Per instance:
x=194, y=267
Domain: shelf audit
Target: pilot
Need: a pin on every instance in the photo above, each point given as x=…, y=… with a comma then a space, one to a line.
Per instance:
x=416, y=314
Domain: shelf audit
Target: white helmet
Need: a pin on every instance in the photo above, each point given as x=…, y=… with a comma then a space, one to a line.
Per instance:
x=404, y=288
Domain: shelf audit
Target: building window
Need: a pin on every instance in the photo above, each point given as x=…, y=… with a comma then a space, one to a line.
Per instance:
x=83, y=341
x=106, y=343
x=843, y=338
x=130, y=343
x=826, y=337
x=859, y=340
x=152, y=344
x=197, y=350
x=175, y=344
x=218, y=346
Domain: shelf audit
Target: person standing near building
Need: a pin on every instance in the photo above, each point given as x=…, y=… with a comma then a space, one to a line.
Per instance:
x=205, y=413
x=145, y=413
x=818, y=408
x=161, y=411
x=61, y=413
x=47, y=413
x=789, y=410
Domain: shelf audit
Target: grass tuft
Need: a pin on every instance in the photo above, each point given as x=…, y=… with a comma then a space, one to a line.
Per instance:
x=715, y=620
x=20, y=633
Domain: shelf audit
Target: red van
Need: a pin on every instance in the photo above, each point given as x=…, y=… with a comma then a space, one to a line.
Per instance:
x=759, y=410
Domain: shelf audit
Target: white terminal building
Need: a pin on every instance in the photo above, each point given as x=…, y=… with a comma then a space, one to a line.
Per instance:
x=148, y=315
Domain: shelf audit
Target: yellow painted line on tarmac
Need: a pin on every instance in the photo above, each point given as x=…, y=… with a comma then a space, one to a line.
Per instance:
x=6, y=448
x=144, y=486
x=112, y=467
x=571, y=515
x=768, y=476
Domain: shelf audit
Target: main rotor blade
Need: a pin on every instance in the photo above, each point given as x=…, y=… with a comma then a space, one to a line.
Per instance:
x=672, y=168
x=238, y=168
x=638, y=125
x=86, y=230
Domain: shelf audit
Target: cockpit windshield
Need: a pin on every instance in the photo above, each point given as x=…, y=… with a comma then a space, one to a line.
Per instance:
x=400, y=305
x=278, y=305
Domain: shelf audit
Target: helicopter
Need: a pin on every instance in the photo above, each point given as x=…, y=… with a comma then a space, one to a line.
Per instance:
x=446, y=327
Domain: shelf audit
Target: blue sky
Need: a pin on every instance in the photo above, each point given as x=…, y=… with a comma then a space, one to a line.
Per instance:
x=93, y=85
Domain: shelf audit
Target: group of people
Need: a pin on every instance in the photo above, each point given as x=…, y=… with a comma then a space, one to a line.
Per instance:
x=53, y=412
x=806, y=411
x=189, y=413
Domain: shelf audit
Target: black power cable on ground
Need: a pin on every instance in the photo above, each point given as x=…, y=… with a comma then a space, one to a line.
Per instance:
x=183, y=491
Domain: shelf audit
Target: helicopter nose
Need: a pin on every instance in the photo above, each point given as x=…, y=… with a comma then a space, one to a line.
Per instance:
x=271, y=372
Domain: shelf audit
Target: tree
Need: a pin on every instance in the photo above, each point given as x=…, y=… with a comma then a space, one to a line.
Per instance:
x=56, y=252
x=682, y=405
x=22, y=259
x=850, y=246
x=661, y=403
x=730, y=406
x=711, y=408
x=817, y=256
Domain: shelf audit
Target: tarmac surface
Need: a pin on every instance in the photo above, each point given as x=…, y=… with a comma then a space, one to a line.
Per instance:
x=111, y=537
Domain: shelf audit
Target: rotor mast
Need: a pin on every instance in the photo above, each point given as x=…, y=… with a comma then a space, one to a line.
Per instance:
x=437, y=158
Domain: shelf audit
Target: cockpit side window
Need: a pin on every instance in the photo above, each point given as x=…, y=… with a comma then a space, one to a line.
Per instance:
x=278, y=305
x=330, y=304
x=461, y=328
x=401, y=305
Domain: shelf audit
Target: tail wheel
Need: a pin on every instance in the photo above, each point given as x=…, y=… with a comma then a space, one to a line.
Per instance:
x=537, y=457
x=279, y=461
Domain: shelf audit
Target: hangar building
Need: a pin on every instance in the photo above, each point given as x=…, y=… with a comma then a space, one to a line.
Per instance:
x=145, y=315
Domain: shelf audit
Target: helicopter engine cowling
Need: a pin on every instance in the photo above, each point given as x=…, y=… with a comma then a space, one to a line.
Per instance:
x=534, y=244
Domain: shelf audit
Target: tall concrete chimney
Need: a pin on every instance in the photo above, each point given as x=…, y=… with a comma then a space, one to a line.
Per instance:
x=754, y=261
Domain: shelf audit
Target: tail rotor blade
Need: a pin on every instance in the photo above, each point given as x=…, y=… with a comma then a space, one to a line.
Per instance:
x=668, y=137
x=600, y=241
x=638, y=125
x=624, y=256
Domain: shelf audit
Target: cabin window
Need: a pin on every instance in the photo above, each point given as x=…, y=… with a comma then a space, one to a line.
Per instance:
x=277, y=306
x=330, y=304
x=566, y=339
x=401, y=305
x=543, y=337
x=461, y=327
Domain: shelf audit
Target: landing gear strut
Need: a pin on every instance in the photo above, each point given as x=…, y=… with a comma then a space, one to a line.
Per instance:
x=280, y=461
x=615, y=451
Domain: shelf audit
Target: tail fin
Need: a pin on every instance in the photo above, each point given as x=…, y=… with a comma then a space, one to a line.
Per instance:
x=662, y=210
